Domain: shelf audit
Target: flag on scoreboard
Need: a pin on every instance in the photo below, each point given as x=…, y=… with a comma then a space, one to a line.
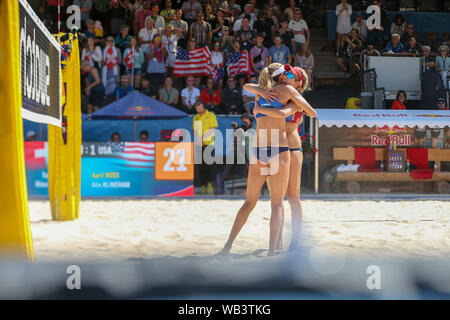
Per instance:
x=192, y=63
x=238, y=62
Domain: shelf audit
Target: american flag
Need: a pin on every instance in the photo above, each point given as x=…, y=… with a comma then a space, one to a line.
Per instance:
x=217, y=73
x=238, y=62
x=192, y=63
x=139, y=154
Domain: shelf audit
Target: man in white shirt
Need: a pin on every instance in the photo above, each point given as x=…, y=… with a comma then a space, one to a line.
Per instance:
x=299, y=28
x=159, y=21
x=247, y=10
x=189, y=96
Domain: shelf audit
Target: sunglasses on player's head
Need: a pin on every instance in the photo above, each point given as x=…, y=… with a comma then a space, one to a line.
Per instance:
x=290, y=75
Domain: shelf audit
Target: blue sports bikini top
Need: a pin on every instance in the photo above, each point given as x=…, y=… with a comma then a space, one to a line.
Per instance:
x=276, y=104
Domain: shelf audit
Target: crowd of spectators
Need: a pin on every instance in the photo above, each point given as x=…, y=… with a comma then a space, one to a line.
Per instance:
x=356, y=41
x=154, y=31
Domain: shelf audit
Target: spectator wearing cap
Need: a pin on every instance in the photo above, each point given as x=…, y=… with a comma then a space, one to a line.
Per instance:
x=31, y=136
x=200, y=30
x=190, y=9
x=412, y=48
x=394, y=46
x=287, y=36
x=343, y=26
x=299, y=28
x=259, y=55
x=441, y=104
x=443, y=64
x=245, y=35
x=400, y=102
x=361, y=25
x=168, y=13
x=398, y=25
x=232, y=98
x=279, y=52
x=141, y=15
x=181, y=28
x=370, y=51
x=124, y=88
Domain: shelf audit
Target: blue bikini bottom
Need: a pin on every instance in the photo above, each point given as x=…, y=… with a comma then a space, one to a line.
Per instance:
x=264, y=154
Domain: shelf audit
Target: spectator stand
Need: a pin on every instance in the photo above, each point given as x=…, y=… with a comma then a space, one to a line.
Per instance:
x=421, y=21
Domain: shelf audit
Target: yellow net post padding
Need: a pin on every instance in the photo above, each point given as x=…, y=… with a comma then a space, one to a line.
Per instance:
x=64, y=162
x=15, y=233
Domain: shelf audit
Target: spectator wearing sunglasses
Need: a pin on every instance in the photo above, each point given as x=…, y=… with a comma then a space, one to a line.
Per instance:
x=443, y=64
x=189, y=96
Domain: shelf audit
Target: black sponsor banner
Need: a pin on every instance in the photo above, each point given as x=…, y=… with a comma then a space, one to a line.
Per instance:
x=39, y=69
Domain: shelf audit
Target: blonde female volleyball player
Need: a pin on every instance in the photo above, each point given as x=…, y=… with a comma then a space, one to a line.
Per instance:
x=293, y=118
x=271, y=154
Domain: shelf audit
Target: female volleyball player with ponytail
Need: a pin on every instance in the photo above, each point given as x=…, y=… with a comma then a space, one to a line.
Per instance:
x=293, y=118
x=271, y=154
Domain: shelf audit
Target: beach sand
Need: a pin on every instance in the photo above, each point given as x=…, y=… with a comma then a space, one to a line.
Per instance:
x=119, y=230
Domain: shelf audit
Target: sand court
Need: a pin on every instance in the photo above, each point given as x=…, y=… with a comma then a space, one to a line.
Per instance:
x=118, y=230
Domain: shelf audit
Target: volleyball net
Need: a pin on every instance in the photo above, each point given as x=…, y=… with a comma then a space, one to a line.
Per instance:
x=37, y=87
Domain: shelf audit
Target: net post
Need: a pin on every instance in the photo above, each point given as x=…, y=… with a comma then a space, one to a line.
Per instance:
x=15, y=231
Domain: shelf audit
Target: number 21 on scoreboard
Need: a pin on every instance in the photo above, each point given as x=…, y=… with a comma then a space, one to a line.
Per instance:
x=174, y=161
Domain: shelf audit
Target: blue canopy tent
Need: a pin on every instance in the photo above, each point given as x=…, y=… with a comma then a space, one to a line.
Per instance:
x=137, y=106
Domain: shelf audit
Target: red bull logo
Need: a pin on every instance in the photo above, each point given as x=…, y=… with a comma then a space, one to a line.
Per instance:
x=404, y=140
x=390, y=130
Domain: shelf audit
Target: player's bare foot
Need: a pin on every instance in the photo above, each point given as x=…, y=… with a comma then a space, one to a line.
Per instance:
x=225, y=251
